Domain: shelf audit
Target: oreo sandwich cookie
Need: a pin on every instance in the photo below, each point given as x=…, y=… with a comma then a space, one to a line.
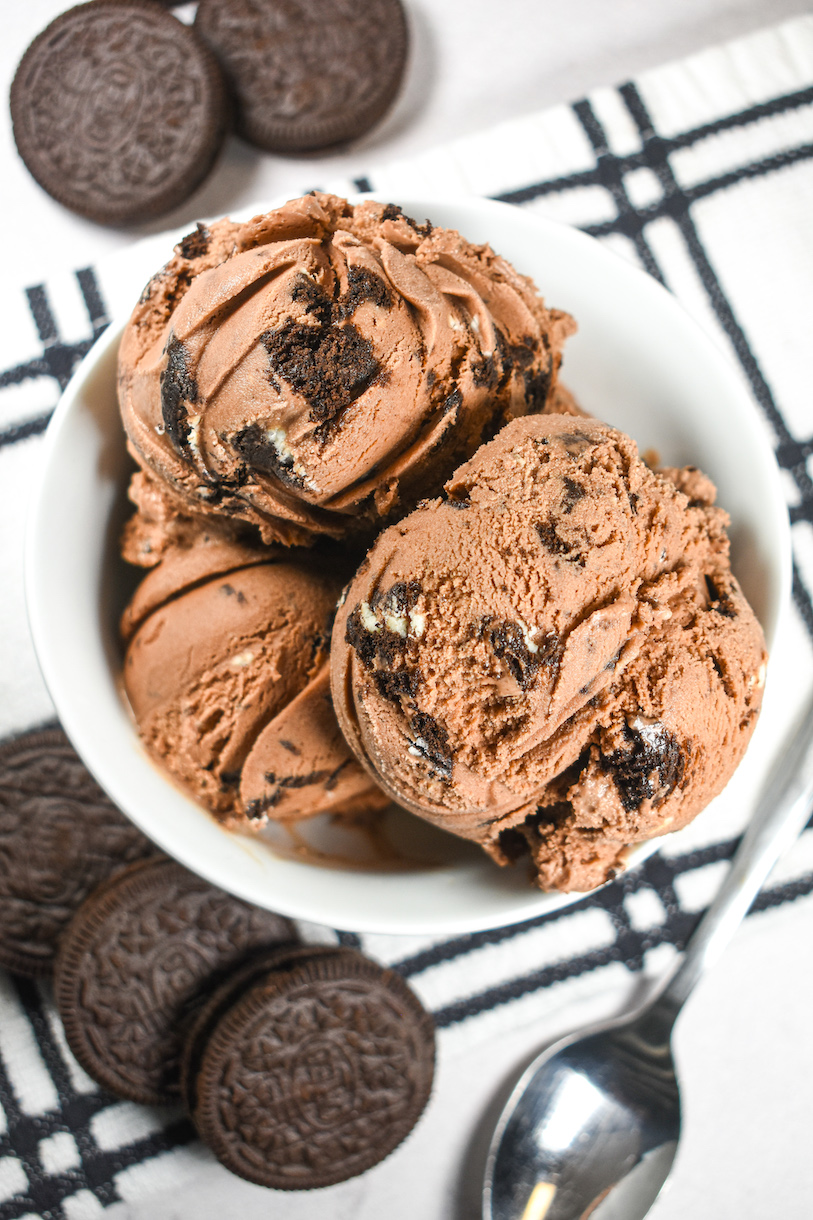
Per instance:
x=309, y=1069
x=141, y=954
x=60, y=837
x=118, y=110
x=307, y=74
x=253, y=970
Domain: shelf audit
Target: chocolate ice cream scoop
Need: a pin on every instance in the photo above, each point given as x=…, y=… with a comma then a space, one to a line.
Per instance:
x=325, y=365
x=555, y=655
x=226, y=671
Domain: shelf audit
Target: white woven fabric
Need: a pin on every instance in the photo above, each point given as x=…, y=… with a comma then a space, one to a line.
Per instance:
x=702, y=172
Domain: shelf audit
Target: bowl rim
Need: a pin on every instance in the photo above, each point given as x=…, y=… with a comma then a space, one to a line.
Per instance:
x=527, y=905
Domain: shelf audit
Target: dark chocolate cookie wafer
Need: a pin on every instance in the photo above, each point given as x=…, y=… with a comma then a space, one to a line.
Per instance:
x=119, y=110
x=313, y=1072
x=306, y=74
x=234, y=985
x=60, y=837
x=142, y=952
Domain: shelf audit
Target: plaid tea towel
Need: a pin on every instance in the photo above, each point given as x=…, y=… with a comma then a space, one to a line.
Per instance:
x=701, y=172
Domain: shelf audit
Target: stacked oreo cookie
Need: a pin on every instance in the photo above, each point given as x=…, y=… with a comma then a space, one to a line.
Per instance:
x=300, y=1065
x=120, y=110
x=60, y=837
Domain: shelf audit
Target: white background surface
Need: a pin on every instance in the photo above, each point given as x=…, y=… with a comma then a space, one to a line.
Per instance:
x=473, y=63
x=743, y=1045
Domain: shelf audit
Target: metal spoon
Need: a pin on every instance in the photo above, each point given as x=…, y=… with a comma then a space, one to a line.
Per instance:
x=592, y=1127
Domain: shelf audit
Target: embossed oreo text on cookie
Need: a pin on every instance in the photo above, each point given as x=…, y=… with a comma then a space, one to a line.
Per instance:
x=315, y=1073
x=307, y=73
x=118, y=110
x=60, y=837
x=135, y=964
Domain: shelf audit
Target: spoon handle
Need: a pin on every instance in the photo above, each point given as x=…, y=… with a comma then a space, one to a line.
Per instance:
x=780, y=815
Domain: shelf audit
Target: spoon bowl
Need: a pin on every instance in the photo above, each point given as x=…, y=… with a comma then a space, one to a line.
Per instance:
x=592, y=1127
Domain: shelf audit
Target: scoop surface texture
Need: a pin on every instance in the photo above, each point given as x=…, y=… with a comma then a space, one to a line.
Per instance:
x=226, y=671
x=326, y=365
x=555, y=656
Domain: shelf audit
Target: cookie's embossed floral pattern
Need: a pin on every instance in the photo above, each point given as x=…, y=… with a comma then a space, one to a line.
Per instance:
x=60, y=837
x=308, y=73
x=116, y=109
x=135, y=966
x=321, y=1076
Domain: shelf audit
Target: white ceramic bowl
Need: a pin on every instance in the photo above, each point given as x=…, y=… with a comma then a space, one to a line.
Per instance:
x=637, y=361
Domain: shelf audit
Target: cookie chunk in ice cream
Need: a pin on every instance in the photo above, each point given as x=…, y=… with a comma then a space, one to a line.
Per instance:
x=226, y=671
x=553, y=657
x=327, y=365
